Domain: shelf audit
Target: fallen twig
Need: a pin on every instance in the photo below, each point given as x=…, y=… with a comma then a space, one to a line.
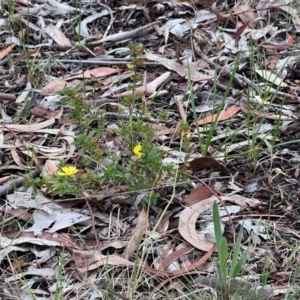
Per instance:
x=127, y=34
x=13, y=184
x=92, y=62
x=110, y=115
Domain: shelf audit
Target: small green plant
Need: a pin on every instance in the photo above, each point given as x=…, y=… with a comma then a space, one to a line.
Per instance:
x=59, y=283
x=63, y=182
x=79, y=109
x=225, y=273
x=141, y=168
x=205, y=142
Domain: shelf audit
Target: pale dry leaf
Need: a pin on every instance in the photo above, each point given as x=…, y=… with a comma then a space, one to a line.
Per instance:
x=198, y=194
x=53, y=218
x=32, y=156
x=56, y=85
x=243, y=201
x=246, y=14
x=224, y=115
x=6, y=51
x=88, y=260
x=169, y=64
x=50, y=167
x=208, y=233
x=112, y=260
x=95, y=73
x=17, y=159
x=62, y=8
x=6, y=242
x=48, y=214
x=70, y=146
x=187, y=223
x=178, y=68
x=10, y=238
x=136, y=235
x=4, y=179
x=23, y=97
x=25, y=21
x=31, y=127
x=289, y=10
x=268, y=116
x=108, y=82
x=271, y=77
x=169, y=259
x=82, y=27
x=164, y=224
x=57, y=132
x=151, y=87
x=57, y=35
x=9, y=249
x=114, y=244
x=46, y=273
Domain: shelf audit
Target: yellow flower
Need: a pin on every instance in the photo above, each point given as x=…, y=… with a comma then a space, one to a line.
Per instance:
x=138, y=150
x=67, y=171
x=130, y=66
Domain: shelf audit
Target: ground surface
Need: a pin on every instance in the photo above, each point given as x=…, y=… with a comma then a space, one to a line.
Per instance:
x=122, y=124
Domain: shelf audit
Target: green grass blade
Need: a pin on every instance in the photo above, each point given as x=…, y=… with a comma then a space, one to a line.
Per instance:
x=239, y=265
x=217, y=225
x=223, y=257
x=237, y=249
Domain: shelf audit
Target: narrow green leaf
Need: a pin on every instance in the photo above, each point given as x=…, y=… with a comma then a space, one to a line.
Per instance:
x=240, y=263
x=217, y=225
x=223, y=256
x=236, y=252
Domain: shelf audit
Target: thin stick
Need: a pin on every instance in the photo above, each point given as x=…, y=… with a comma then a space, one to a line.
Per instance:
x=13, y=184
x=111, y=19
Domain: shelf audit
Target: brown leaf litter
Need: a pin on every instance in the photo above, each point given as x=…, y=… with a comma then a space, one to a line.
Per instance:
x=233, y=65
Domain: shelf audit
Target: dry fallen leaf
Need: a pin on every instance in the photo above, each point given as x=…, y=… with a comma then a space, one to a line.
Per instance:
x=57, y=35
x=31, y=127
x=268, y=116
x=224, y=115
x=289, y=10
x=164, y=224
x=56, y=85
x=94, y=73
x=174, y=256
x=203, y=2
x=4, y=52
x=92, y=259
x=271, y=77
x=198, y=194
x=187, y=223
x=136, y=234
x=178, y=68
x=50, y=167
x=206, y=162
x=150, y=88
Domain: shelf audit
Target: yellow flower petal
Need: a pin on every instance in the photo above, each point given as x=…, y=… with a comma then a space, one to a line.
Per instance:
x=61, y=173
x=67, y=171
x=130, y=66
x=138, y=150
